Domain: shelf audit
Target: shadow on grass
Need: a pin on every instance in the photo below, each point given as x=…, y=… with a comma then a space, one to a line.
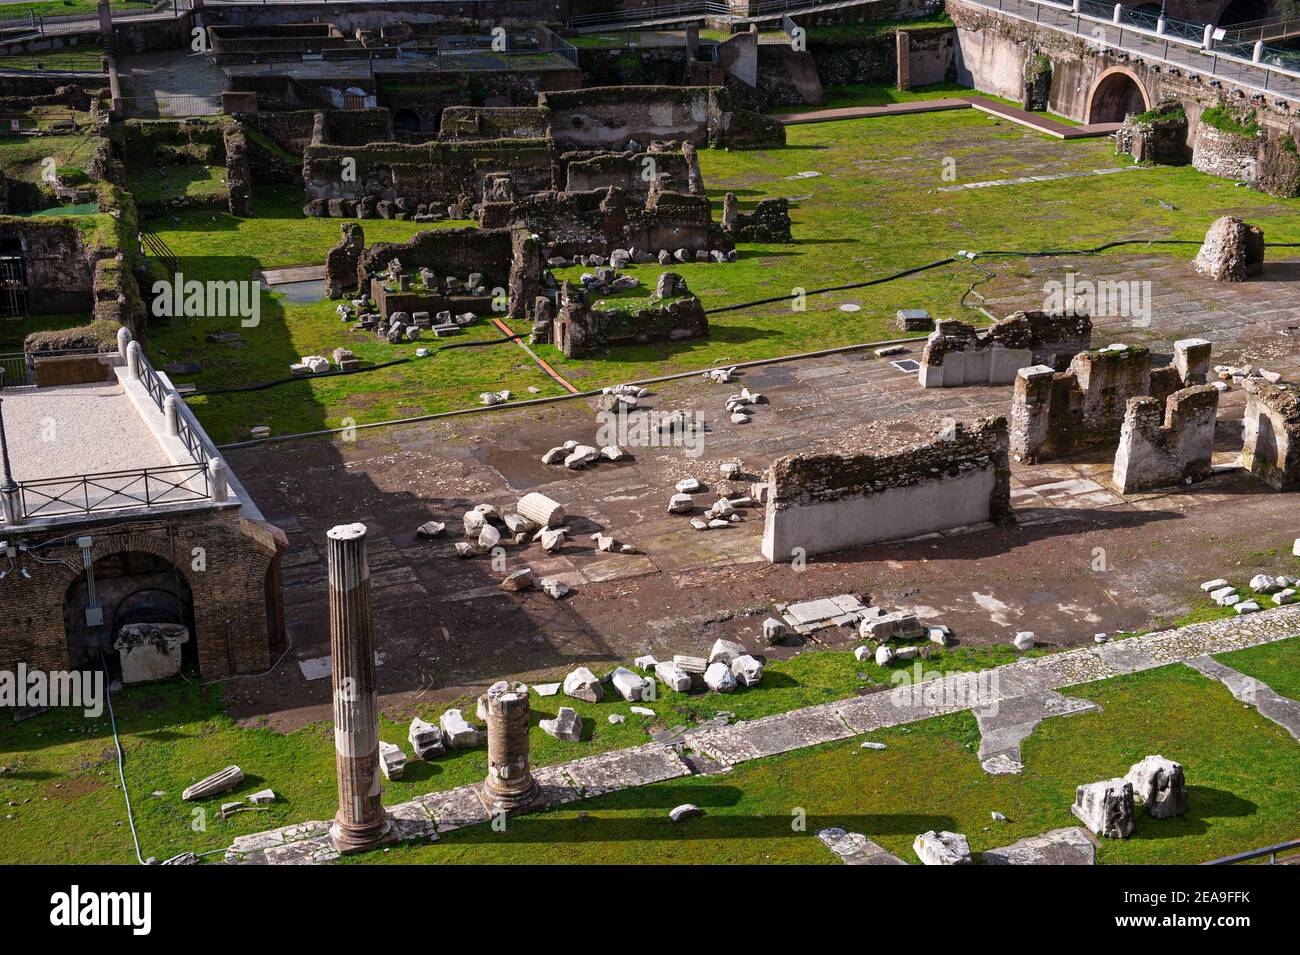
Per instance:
x=546, y=828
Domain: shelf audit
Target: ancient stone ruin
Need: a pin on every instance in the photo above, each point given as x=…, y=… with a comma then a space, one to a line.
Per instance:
x=341, y=262
x=819, y=503
x=957, y=354
x=1162, y=445
x=1233, y=251
x=1157, y=136
x=1271, y=442
x=1057, y=413
x=672, y=314
x=431, y=273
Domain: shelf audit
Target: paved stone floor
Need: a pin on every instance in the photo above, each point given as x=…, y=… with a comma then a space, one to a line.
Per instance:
x=426, y=816
x=1081, y=559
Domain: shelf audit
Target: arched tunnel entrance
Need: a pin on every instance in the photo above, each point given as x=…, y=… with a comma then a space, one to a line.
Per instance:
x=1116, y=95
x=1243, y=11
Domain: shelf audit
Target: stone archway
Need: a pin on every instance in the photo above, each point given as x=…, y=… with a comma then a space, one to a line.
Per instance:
x=1116, y=94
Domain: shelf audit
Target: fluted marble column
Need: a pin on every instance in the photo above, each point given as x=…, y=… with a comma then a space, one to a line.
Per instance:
x=361, y=822
x=509, y=783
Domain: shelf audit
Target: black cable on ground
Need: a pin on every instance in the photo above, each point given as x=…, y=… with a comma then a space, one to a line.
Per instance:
x=972, y=256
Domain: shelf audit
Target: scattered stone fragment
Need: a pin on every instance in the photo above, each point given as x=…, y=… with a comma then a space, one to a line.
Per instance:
x=884, y=655
x=942, y=848
x=582, y=684
x=725, y=651
x=643, y=711
x=939, y=634
x=672, y=676
x=425, y=739
x=861, y=653
x=457, y=733
x=899, y=625
x=488, y=537
x=1285, y=596
x=228, y=809
x=681, y=504
x=1024, y=640
x=465, y=550
x=685, y=810
x=869, y=744
x=1264, y=584
x=1218, y=583
x=262, y=797
x=219, y=782
x=567, y=725
x=430, y=529
x=541, y=510
x=1246, y=606
x=553, y=588
x=474, y=522
x=718, y=678
x=689, y=485
x=774, y=631
x=518, y=524
x=391, y=760
x=1106, y=807
x=1159, y=784
x=691, y=664
x=747, y=670
x=646, y=662
x=518, y=581
x=630, y=686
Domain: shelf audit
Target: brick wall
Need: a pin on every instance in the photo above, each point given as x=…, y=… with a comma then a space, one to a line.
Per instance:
x=230, y=594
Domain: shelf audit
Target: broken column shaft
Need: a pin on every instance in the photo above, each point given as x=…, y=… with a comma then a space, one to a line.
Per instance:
x=361, y=822
x=509, y=783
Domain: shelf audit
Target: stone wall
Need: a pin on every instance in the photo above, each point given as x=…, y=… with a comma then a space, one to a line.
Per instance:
x=607, y=117
x=60, y=268
x=1166, y=444
x=632, y=171
x=1157, y=139
x=434, y=173
x=506, y=258
x=1226, y=154
x=1057, y=413
x=502, y=122
x=235, y=597
x=956, y=353
x=1271, y=446
x=599, y=221
x=580, y=330
x=820, y=503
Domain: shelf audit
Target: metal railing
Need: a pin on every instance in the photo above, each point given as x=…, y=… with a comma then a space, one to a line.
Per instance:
x=114, y=490
x=20, y=367
x=186, y=430
x=171, y=106
x=152, y=244
x=1271, y=851
x=73, y=22
x=1221, y=66
x=1272, y=28
x=693, y=8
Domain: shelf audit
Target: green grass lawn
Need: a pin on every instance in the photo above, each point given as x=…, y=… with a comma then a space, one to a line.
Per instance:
x=1240, y=771
x=875, y=208
x=60, y=8
x=24, y=159
x=1277, y=664
x=153, y=186
x=61, y=770
x=87, y=59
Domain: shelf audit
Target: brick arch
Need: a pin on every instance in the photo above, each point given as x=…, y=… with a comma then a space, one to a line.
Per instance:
x=1110, y=96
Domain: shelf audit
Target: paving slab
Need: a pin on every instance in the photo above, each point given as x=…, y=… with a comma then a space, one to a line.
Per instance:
x=1069, y=846
x=856, y=849
x=1008, y=723
x=1282, y=710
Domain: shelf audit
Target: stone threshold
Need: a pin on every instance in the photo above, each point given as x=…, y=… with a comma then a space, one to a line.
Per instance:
x=424, y=817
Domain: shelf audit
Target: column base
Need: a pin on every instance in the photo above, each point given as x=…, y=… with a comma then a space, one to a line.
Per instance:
x=530, y=798
x=350, y=840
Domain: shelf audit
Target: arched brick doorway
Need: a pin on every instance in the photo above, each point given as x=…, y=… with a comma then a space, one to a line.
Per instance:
x=1116, y=94
x=130, y=587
